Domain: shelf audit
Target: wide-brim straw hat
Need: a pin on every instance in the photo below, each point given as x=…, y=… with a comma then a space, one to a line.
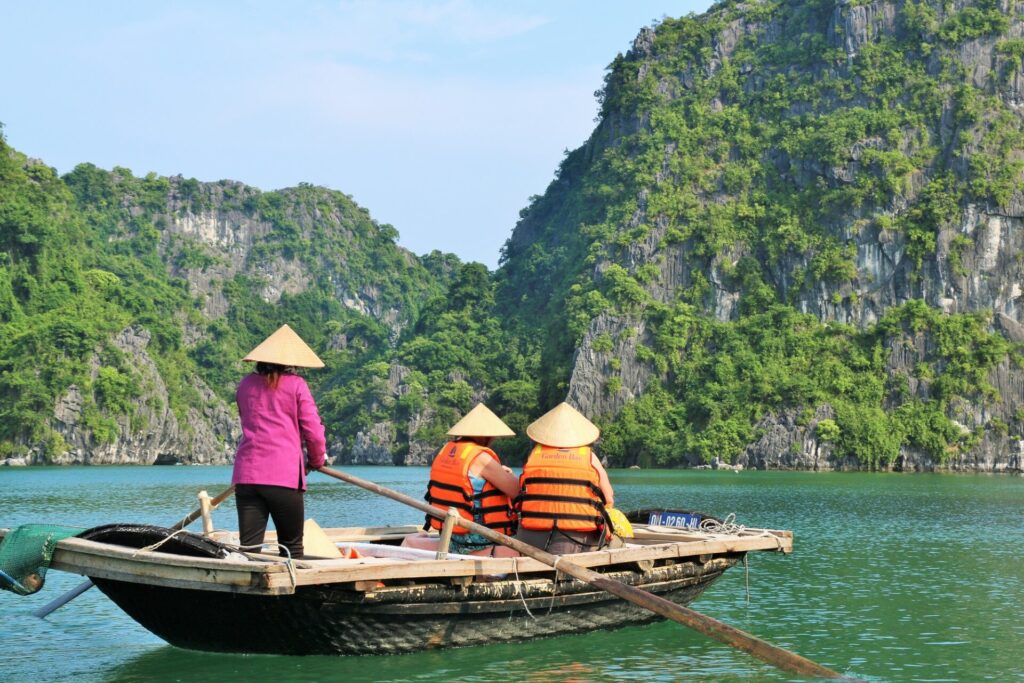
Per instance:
x=563, y=427
x=480, y=422
x=284, y=347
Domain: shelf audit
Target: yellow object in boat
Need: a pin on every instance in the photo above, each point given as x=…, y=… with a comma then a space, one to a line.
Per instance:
x=620, y=525
x=316, y=543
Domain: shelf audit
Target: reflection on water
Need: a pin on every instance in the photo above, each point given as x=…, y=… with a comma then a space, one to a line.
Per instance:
x=893, y=577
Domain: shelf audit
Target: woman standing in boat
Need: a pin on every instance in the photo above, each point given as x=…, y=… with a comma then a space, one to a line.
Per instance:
x=467, y=475
x=278, y=418
x=565, y=489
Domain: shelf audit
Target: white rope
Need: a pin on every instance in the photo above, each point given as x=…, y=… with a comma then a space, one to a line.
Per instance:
x=159, y=543
x=519, y=590
x=554, y=583
x=729, y=526
x=726, y=526
x=291, y=566
x=288, y=562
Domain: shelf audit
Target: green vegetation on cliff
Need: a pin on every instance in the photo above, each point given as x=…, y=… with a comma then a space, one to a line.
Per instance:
x=67, y=291
x=747, y=154
x=779, y=194
x=725, y=376
x=91, y=254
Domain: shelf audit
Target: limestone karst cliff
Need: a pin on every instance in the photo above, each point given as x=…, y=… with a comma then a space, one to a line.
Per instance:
x=129, y=302
x=840, y=159
x=792, y=240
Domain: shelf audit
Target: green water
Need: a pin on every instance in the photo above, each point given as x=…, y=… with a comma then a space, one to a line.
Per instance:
x=892, y=578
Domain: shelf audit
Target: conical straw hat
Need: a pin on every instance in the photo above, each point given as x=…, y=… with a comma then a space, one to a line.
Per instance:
x=563, y=427
x=480, y=422
x=284, y=347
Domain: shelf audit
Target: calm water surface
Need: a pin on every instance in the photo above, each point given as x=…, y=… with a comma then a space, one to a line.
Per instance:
x=892, y=578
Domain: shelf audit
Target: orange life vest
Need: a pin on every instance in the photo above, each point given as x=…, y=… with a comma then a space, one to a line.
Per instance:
x=451, y=486
x=560, y=489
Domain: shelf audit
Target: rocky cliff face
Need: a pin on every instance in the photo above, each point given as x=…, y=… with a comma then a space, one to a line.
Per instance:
x=403, y=442
x=972, y=259
x=224, y=242
x=382, y=444
x=608, y=349
x=985, y=273
x=227, y=225
x=208, y=433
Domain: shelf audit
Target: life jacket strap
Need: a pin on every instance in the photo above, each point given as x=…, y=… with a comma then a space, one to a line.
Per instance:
x=591, y=486
x=452, y=504
x=596, y=519
x=448, y=487
x=571, y=500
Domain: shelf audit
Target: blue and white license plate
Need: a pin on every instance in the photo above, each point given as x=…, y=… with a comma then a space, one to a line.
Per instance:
x=679, y=520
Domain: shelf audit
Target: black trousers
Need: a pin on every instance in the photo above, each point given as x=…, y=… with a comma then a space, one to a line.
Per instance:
x=255, y=502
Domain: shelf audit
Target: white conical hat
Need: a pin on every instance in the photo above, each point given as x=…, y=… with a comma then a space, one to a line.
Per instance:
x=563, y=427
x=284, y=347
x=480, y=422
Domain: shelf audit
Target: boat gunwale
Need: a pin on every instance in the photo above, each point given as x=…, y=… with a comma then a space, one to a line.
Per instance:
x=265, y=576
x=329, y=571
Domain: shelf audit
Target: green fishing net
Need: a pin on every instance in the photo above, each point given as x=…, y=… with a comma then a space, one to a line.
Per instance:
x=25, y=553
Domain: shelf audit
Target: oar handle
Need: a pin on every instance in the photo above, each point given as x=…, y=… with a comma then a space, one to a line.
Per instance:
x=713, y=628
x=197, y=513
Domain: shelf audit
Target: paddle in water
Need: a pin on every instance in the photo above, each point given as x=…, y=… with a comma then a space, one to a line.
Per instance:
x=713, y=628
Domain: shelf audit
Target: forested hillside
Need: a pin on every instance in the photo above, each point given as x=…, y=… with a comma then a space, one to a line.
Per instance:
x=793, y=239
x=129, y=301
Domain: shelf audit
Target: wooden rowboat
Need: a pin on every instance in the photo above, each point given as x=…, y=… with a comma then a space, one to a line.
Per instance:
x=195, y=593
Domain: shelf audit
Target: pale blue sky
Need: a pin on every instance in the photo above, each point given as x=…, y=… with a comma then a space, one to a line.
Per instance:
x=440, y=117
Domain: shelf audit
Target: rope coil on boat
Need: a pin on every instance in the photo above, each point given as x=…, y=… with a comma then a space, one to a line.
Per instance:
x=726, y=526
x=729, y=526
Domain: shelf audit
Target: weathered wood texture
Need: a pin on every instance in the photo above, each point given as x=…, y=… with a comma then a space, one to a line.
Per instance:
x=340, y=619
x=272, y=577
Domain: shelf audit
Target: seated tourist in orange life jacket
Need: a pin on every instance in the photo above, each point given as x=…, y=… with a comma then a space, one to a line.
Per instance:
x=565, y=490
x=468, y=476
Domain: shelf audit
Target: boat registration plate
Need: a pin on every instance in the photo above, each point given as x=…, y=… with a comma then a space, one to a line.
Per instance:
x=679, y=520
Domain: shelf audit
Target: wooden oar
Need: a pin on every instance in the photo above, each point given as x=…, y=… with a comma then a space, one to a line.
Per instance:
x=64, y=599
x=718, y=630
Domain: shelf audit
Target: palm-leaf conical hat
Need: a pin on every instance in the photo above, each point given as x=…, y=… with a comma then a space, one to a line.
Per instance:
x=480, y=422
x=284, y=347
x=563, y=427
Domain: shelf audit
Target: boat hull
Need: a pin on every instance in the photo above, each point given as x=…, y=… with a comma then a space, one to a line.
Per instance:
x=337, y=619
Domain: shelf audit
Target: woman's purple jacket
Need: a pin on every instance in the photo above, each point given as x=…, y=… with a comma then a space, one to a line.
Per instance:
x=276, y=423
